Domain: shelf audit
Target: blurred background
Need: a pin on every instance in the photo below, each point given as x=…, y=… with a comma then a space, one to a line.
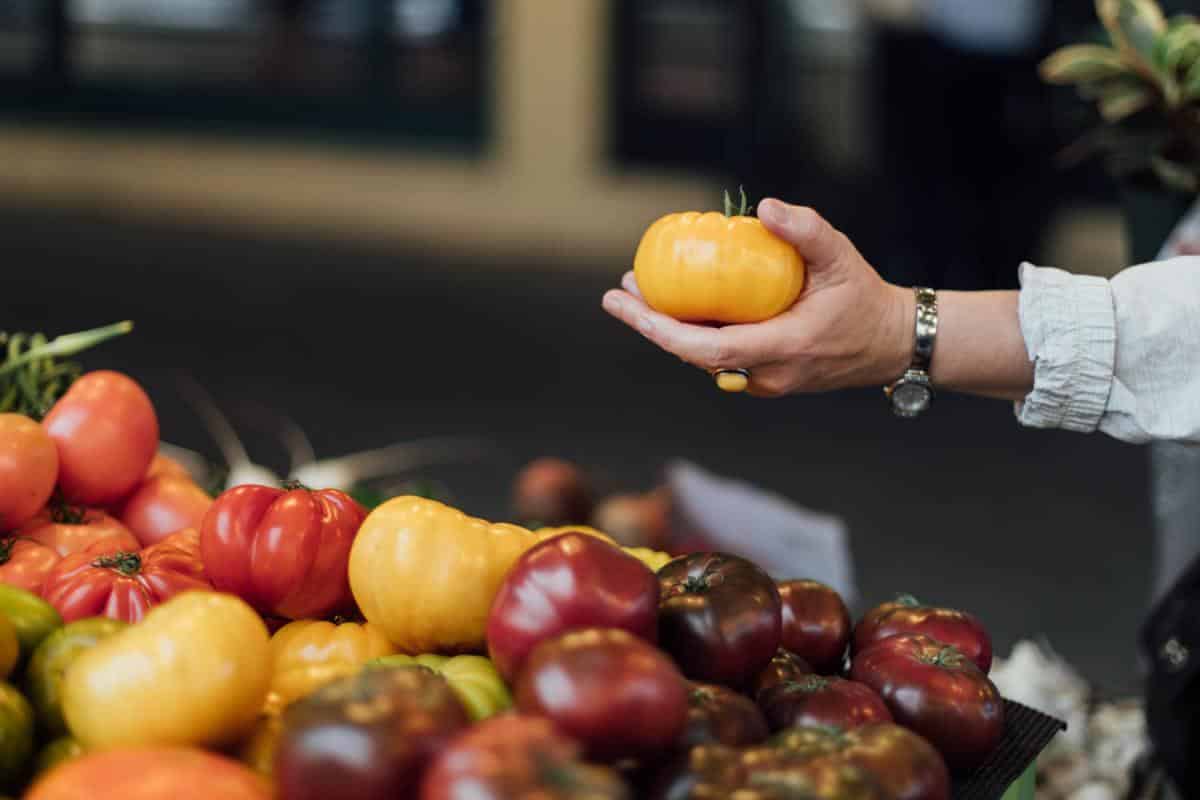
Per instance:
x=392, y=219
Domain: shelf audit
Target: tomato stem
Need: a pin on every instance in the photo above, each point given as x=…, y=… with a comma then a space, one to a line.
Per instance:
x=807, y=684
x=63, y=513
x=743, y=208
x=292, y=485
x=128, y=564
x=6, y=547
x=907, y=600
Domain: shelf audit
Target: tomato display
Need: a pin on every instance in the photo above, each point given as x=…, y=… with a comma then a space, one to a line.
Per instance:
x=369, y=737
x=771, y=771
x=717, y=715
x=16, y=736
x=282, y=551
x=25, y=563
x=712, y=267
x=32, y=618
x=106, y=433
x=938, y=692
x=567, y=582
x=28, y=469
x=719, y=616
x=151, y=773
x=426, y=573
x=163, y=505
x=307, y=654
x=69, y=530
x=817, y=701
x=906, y=614
x=816, y=624
x=784, y=666
x=124, y=584
x=195, y=671
x=47, y=668
x=514, y=757
x=609, y=690
x=474, y=679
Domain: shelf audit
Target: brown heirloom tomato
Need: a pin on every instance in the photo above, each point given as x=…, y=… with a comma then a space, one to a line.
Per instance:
x=906, y=614
x=816, y=701
x=717, y=715
x=936, y=691
x=784, y=666
x=719, y=617
x=816, y=624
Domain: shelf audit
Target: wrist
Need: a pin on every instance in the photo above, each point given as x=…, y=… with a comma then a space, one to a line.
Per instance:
x=898, y=334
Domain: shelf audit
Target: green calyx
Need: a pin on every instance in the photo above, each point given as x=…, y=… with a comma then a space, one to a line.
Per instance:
x=128, y=564
x=907, y=600
x=740, y=210
x=806, y=684
x=32, y=378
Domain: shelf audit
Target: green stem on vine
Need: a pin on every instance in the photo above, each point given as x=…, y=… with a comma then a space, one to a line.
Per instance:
x=128, y=564
x=31, y=380
x=293, y=485
x=66, y=345
x=743, y=207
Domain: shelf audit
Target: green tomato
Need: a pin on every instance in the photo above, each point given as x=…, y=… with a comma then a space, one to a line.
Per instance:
x=16, y=736
x=474, y=680
x=31, y=616
x=48, y=667
x=57, y=752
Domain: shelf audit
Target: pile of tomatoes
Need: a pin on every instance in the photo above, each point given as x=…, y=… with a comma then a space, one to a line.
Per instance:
x=289, y=643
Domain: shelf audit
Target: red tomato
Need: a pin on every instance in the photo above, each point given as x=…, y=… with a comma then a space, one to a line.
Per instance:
x=162, y=505
x=906, y=614
x=815, y=701
x=816, y=624
x=125, y=584
x=28, y=469
x=283, y=552
x=107, y=433
x=25, y=563
x=151, y=773
x=69, y=530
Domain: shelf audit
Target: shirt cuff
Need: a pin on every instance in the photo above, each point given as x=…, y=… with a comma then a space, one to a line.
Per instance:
x=1069, y=325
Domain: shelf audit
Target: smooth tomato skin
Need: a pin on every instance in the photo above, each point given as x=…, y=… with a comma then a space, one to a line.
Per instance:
x=906, y=614
x=719, y=617
x=48, y=667
x=618, y=695
x=284, y=552
x=28, y=469
x=816, y=624
x=32, y=617
x=567, y=582
x=66, y=538
x=515, y=756
x=784, y=666
x=816, y=701
x=25, y=563
x=103, y=581
x=936, y=691
x=106, y=432
x=164, y=465
x=717, y=715
x=712, y=268
x=151, y=773
x=195, y=671
x=163, y=505
x=16, y=736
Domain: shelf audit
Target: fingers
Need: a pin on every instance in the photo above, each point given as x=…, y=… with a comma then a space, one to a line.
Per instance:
x=629, y=284
x=817, y=241
x=707, y=348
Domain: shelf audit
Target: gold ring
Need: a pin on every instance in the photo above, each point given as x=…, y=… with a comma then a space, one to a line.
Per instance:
x=732, y=380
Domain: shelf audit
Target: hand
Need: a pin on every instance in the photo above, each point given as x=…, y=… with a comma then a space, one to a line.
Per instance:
x=849, y=328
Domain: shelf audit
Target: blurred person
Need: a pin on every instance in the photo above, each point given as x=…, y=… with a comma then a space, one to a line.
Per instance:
x=964, y=129
x=1075, y=352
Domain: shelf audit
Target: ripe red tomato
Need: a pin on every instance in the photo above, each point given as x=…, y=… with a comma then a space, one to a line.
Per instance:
x=25, y=563
x=816, y=624
x=68, y=530
x=570, y=581
x=906, y=614
x=784, y=666
x=283, y=552
x=936, y=691
x=151, y=773
x=608, y=689
x=162, y=505
x=28, y=469
x=717, y=715
x=107, y=433
x=816, y=701
x=125, y=584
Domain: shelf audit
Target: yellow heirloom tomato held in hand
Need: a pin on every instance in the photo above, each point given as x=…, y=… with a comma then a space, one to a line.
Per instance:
x=307, y=654
x=193, y=672
x=426, y=573
x=712, y=267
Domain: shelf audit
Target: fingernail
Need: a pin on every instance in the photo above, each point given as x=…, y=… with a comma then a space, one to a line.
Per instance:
x=772, y=211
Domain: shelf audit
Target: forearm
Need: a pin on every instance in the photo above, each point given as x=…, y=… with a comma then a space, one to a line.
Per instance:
x=980, y=349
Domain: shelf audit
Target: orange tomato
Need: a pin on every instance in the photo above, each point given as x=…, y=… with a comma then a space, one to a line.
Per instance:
x=28, y=469
x=162, y=505
x=25, y=563
x=712, y=268
x=165, y=465
x=68, y=530
x=308, y=653
x=151, y=773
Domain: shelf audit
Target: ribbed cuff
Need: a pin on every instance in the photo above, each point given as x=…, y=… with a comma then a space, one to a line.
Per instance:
x=1069, y=327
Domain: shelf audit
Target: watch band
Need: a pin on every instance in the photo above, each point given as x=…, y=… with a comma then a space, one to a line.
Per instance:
x=926, y=328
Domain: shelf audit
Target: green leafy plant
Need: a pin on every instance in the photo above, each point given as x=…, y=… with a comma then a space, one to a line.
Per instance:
x=33, y=374
x=1145, y=82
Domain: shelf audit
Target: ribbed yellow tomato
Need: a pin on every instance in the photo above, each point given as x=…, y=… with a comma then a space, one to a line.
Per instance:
x=307, y=654
x=193, y=672
x=654, y=559
x=712, y=268
x=425, y=573
x=543, y=534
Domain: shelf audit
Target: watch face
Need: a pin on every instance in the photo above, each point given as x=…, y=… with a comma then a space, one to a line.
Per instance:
x=911, y=398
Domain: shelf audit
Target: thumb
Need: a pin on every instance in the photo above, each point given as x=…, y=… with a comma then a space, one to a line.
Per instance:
x=820, y=244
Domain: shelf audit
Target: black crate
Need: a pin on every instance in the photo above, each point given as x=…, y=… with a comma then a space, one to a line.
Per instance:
x=1026, y=734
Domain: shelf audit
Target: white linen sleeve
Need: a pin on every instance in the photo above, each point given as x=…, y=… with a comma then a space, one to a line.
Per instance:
x=1119, y=356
